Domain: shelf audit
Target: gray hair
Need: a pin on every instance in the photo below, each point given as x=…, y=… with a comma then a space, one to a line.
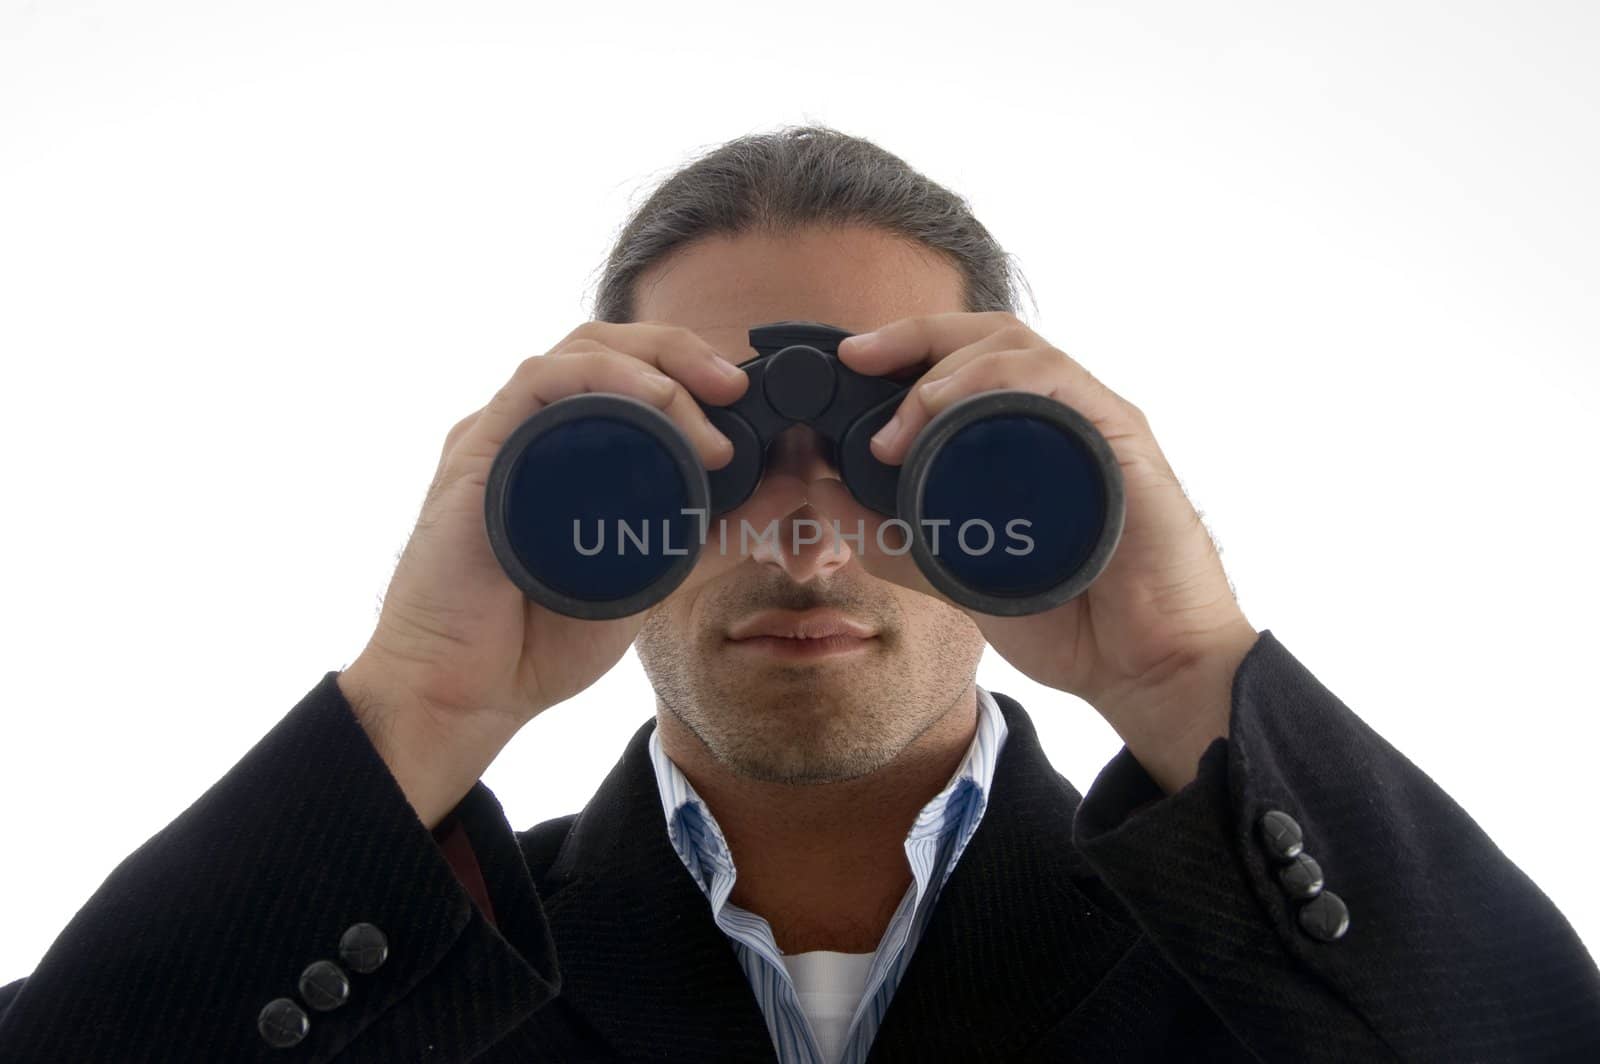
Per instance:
x=805, y=176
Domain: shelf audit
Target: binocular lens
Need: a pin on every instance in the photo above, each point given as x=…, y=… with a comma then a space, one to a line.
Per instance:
x=1014, y=502
x=587, y=512
x=1018, y=505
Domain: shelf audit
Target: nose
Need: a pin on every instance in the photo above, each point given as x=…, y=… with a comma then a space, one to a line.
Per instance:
x=805, y=546
x=800, y=451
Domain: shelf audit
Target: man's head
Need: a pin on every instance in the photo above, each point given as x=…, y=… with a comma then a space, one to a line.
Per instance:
x=810, y=225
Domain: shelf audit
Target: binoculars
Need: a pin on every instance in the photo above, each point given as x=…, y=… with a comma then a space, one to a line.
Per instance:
x=597, y=506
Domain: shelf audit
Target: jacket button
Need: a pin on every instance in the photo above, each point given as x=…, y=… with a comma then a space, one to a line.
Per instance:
x=1302, y=879
x=1325, y=917
x=282, y=1023
x=1280, y=835
x=324, y=985
x=363, y=948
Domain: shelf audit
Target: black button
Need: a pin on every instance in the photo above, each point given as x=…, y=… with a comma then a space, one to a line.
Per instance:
x=1325, y=917
x=1302, y=879
x=1280, y=835
x=324, y=985
x=282, y=1023
x=363, y=948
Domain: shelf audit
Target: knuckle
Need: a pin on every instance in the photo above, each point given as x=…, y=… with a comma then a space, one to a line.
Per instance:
x=589, y=330
x=460, y=429
x=683, y=339
x=675, y=396
x=1016, y=334
x=583, y=345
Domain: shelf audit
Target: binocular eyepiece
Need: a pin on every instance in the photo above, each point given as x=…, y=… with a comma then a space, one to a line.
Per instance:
x=1011, y=503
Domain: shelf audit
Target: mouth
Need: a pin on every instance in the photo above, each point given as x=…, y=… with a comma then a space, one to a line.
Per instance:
x=802, y=635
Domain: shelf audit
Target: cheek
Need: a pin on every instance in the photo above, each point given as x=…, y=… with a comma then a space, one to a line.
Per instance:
x=649, y=642
x=945, y=629
x=689, y=622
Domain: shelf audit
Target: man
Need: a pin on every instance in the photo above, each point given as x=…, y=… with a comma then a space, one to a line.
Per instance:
x=830, y=844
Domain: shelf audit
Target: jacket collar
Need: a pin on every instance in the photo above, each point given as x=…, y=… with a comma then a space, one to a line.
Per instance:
x=1021, y=933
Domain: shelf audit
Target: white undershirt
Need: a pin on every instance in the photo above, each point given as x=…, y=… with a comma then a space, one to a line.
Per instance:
x=829, y=986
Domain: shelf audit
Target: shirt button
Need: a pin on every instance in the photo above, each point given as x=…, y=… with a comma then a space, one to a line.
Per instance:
x=282, y=1023
x=1302, y=879
x=324, y=985
x=1280, y=835
x=363, y=948
x=1325, y=917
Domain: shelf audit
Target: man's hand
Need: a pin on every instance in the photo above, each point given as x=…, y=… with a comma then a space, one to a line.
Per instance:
x=1154, y=642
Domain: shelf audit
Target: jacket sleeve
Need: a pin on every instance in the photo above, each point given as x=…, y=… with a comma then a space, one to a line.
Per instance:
x=1424, y=941
x=178, y=952
x=456, y=845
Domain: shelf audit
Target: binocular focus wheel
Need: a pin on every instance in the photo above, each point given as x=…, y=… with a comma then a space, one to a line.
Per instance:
x=990, y=460
x=576, y=505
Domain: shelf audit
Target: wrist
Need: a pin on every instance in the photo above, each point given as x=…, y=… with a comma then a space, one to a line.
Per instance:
x=434, y=765
x=1168, y=725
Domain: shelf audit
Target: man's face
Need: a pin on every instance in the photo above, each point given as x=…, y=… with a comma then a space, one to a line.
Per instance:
x=768, y=709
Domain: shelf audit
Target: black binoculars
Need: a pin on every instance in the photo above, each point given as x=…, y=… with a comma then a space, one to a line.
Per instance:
x=1011, y=503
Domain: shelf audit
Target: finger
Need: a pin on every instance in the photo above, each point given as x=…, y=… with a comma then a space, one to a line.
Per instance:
x=457, y=431
x=544, y=379
x=927, y=339
x=1043, y=371
x=715, y=449
x=674, y=350
x=891, y=442
x=572, y=370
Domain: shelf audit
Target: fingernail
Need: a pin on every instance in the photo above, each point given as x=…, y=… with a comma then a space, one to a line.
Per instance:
x=860, y=341
x=932, y=388
x=885, y=436
x=727, y=369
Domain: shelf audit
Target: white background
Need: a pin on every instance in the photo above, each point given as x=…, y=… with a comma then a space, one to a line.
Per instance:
x=255, y=260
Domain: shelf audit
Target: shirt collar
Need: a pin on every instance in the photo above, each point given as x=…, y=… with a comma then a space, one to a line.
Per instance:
x=698, y=839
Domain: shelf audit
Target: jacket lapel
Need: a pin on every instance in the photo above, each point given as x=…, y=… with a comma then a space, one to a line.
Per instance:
x=1023, y=930
x=1021, y=933
x=640, y=955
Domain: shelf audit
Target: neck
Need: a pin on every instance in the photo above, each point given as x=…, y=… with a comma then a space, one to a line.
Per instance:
x=825, y=864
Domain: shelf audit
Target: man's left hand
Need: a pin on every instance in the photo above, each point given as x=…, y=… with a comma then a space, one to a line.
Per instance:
x=1154, y=642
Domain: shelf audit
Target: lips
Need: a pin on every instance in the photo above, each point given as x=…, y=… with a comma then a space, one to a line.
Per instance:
x=808, y=624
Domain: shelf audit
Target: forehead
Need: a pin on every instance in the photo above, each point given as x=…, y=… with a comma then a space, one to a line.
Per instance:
x=855, y=278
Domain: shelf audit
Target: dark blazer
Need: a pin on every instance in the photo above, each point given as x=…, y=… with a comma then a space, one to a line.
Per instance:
x=1124, y=925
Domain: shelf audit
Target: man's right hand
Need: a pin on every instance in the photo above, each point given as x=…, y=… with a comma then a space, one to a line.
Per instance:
x=461, y=659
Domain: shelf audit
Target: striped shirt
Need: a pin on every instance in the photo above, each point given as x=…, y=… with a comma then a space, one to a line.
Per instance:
x=933, y=845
